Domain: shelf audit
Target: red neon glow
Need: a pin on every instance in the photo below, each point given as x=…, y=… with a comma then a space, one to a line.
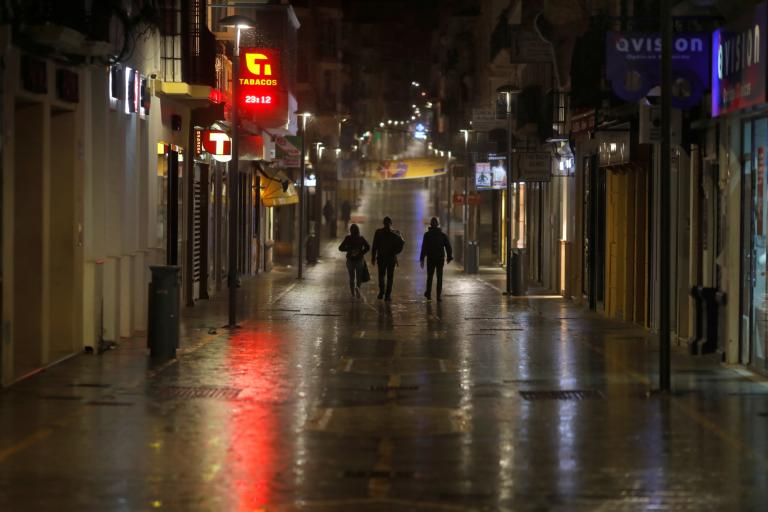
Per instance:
x=217, y=142
x=216, y=96
x=260, y=80
x=257, y=365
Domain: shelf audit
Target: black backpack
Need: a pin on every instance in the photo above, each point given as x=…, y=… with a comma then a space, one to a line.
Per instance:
x=398, y=242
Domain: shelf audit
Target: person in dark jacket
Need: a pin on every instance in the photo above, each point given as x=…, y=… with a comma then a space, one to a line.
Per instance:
x=355, y=246
x=435, y=246
x=330, y=218
x=346, y=212
x=387, y=244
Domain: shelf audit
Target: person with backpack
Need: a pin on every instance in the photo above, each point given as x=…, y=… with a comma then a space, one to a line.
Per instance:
x=355, y=246
x=435, y=246
x=387, y=244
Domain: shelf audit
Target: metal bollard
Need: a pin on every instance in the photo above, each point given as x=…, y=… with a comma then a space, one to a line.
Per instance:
x=519, y=286
x=163, y=315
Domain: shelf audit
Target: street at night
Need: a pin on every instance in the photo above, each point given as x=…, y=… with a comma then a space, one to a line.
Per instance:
x=383, y=255
x=325, y=402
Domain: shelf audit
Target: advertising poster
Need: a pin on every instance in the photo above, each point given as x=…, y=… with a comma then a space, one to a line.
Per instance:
x=483, y=176
x=498, y=171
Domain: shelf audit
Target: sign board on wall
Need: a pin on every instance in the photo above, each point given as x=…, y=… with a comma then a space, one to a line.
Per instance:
x=484, y=120
x=262, y=96
x=534, y=166
x=634, y=65
x=288, y=151
x=218, y=144
x=738, y=63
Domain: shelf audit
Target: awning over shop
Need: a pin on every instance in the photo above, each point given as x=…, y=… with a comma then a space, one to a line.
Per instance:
x=195, y=96
x=278, y=190
x=411, y=168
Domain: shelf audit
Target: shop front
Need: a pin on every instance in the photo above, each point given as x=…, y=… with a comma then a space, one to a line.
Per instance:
x=739, y=100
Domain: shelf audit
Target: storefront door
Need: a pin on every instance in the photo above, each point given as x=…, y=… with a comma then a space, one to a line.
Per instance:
x=754, y=298
x=756, y=200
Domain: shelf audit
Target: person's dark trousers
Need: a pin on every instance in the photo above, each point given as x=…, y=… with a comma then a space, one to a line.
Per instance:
x=433, y=266
x=387, y=267
x=354, y=268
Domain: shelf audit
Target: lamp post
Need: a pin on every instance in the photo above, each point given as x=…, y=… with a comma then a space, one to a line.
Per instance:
x=239, y=22
x=508, y=91
x=302, y=190
x=465, y=215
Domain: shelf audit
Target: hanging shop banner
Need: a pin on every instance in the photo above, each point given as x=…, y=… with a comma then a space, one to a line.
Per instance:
x=288, y=151
x=634, y=65
x=411, y=168
x=534, y=166
x=738, y=63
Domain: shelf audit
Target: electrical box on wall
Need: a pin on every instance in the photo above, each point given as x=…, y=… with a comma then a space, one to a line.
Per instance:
x=650, y=124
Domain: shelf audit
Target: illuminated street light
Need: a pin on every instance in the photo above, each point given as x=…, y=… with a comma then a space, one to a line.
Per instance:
x=239, y=22
x=302, y=195
x=508, y=91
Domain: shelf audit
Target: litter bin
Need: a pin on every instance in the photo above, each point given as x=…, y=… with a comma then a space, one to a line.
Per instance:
x=708, y=301
x=163, y=317
x=471, y=258
x=518, y=273
x=313, y=248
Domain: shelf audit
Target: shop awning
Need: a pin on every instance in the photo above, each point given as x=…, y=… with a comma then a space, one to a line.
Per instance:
x=278, y=190
x=411, y=168
x=195, y=96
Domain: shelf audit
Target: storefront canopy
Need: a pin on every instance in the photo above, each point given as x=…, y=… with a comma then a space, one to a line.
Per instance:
x=411, y=168
x=278, y=190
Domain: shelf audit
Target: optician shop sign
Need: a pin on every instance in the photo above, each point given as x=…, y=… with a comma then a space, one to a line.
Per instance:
x=634, y=65
x=738, y=63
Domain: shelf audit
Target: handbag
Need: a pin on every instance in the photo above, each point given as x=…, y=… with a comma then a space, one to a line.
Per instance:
x=365, y=275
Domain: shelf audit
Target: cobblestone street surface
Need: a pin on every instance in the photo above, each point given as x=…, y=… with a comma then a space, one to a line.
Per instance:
x=322, y=402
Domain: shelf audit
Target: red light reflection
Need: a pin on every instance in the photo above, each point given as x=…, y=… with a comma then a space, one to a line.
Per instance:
x=257, y=366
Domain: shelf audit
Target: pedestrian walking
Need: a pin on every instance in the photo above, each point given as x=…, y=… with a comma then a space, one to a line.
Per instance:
x=346, y=212
x=435, y=246
x=329, y=213
x=387, y=244
x=356, y=246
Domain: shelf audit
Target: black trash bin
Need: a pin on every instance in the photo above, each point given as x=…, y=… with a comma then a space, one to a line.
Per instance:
x=708, y=301
x=519, y=286
x=313, y=248
x=163, y=317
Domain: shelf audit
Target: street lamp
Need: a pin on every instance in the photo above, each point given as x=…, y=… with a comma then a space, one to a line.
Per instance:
x=240, y=23
x=465, y=216
x=302, y=190
x=508, y=91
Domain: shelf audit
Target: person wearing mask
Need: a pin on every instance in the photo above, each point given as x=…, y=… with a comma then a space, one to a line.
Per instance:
x=435, y=246
x=387, y=244
x=355, y=246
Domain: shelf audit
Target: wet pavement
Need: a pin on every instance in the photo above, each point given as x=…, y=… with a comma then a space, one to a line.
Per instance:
x=328, y=403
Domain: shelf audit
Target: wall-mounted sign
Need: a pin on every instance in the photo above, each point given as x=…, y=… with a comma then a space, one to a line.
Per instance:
x=261, y=88
x=738, y=63
x=491, y=175
x=218, y=144
x=288, y=151
x=198, y=138
x=534, y=166
x=484, y=120
x=634, y=65
x=528, y=46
